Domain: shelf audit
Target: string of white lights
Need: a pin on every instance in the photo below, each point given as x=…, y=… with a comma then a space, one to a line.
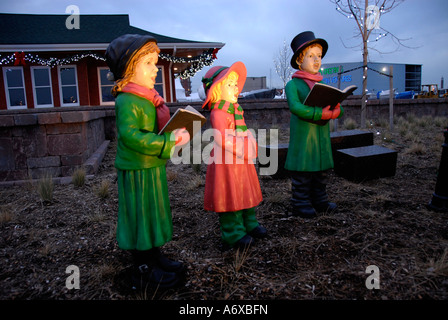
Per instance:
x=197, y=63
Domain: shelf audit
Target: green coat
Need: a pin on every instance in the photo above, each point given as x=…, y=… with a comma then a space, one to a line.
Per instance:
x=144, y=213
x=138, y=144
x=309, y=142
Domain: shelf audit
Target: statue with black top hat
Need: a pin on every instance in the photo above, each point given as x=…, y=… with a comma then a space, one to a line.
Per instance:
x=309, y=154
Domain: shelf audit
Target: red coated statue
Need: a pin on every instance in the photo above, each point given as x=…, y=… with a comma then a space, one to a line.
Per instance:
x=232, y=188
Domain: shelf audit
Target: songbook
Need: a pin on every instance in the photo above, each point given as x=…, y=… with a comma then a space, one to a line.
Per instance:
x=185, y=118
x=322, y=95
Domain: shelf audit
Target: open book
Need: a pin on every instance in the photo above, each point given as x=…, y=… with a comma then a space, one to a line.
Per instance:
x=322, y=95
x=184, y=118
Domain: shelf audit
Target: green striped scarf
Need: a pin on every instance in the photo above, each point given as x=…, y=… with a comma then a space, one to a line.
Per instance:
x=235, y=109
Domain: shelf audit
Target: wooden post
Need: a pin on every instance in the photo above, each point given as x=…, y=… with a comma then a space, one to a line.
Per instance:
x=391, y=98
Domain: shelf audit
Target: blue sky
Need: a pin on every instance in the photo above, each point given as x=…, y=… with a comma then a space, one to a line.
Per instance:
x=254, y=30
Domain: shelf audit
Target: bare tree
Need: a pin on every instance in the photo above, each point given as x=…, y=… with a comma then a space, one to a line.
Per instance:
x=282, y=63
x=367, y=17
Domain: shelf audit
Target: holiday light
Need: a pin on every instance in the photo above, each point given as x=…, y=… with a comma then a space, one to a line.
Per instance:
x=197, y=63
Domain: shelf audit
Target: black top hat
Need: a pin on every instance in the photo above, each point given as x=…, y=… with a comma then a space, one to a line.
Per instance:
x=303, y=40
x=120, y=51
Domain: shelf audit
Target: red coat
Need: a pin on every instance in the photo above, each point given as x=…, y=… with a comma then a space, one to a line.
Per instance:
x=231, y=183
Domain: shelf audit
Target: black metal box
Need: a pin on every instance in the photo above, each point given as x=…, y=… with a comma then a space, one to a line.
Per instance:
x=365, y=163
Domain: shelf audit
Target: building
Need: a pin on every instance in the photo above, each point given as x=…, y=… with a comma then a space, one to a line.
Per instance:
x=49, y=61
x=254, y=83
x=406, y=77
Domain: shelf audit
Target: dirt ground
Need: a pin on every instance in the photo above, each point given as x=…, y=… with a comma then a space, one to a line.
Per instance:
x=382, y=222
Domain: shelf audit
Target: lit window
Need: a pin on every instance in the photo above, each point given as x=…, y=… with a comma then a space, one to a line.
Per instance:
x=43, y=95
x=159, y=82
x=68, y=86
x=14, y=87
x=105, y=86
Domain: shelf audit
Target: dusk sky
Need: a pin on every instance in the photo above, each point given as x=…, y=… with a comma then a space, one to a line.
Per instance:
x=254, y=31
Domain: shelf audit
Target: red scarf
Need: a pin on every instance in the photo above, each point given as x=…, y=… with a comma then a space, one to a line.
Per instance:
x=309, y=78
x=163, y=113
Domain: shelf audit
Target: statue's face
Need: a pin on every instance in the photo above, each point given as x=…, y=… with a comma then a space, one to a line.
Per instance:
x=312, y=60
x=229, y=89
x=146, y=70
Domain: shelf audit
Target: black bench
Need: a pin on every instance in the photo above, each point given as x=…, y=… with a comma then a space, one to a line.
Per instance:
x=365, y=163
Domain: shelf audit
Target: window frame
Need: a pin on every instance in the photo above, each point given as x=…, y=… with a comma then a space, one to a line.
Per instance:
x=34, y=87
x=100, y=92
x=8, y=100
x=61, y=97
x=161, y=67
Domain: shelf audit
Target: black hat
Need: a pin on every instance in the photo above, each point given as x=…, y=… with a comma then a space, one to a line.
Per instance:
x=303, y=40
x=120, y=51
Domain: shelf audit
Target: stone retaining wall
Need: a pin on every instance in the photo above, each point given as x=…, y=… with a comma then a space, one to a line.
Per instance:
x=54, y=141
x=275, y=113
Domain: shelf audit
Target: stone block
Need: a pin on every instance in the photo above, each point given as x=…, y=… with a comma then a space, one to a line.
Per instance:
x=40, y=137
x=25, y=119
x=38, y=173
x=44, y=162
x=6, y=154
x=66, y=144
x=97, y=114
x=73, y=160
x=49, y=118
x=95, y=135
x=33, y=141
x=74, y=116
x=93, y=163
x=62, y=128
x=12, y=175
x=365, y=163
x=6, y=121
x=16, y=131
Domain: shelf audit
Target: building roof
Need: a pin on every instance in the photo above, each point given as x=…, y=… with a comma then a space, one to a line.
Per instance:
x=43, y=32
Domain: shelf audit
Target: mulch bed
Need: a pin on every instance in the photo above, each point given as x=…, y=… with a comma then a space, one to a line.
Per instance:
x=382, y=222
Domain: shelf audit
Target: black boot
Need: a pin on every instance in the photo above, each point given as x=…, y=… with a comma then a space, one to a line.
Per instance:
x=244, y=243
x=251, y=223
x=258, y=232
x=301, y=198
x=160, y=260
x=319, y=197
x=150, y=276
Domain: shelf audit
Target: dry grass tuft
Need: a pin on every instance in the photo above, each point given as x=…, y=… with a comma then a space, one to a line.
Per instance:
x=350, y=124
x=45, y=188
x=416, y=148
x=79, y=177
x=102, y=190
